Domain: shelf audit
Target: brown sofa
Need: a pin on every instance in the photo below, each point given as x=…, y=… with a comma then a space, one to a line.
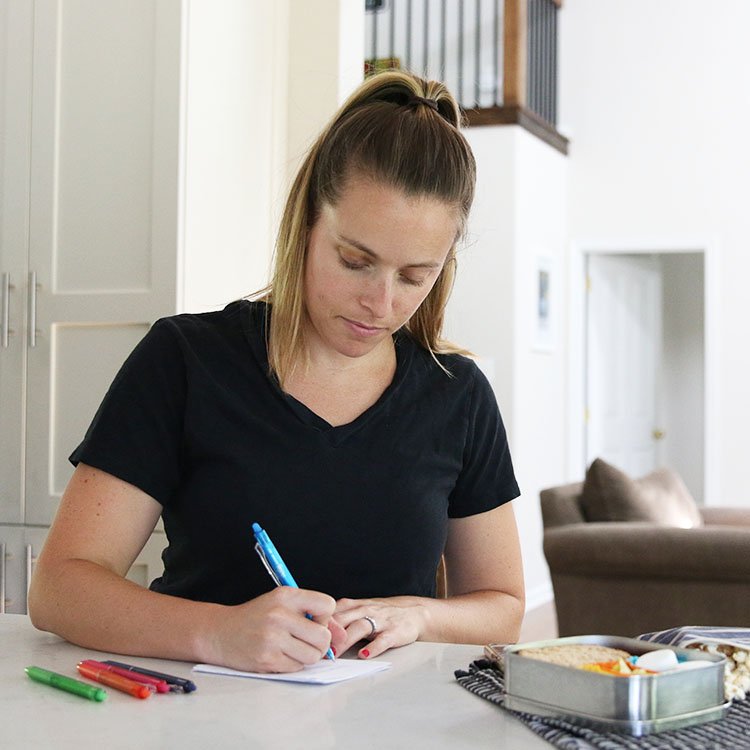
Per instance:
x=627, y=578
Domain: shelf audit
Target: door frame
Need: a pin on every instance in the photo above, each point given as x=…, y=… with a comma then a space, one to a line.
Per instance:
x=709, y=249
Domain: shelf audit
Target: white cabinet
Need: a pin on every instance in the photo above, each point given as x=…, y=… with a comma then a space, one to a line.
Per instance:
x=89, y=196
x=89, y=229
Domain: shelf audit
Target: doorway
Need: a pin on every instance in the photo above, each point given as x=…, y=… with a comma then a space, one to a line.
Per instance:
x=643, y=372
x=624, y=361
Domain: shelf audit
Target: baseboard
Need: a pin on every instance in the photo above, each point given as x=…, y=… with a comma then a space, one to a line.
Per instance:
x=538, y=596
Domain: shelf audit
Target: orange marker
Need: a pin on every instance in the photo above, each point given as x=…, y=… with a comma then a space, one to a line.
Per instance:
x=126, y=685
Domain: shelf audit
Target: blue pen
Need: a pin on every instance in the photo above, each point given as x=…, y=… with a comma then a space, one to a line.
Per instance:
x=275, y=566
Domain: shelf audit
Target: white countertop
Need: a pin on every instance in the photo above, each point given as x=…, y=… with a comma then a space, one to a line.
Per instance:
x=415, y=704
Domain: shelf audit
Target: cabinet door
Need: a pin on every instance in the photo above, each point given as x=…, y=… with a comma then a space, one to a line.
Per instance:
x=16, y=22
x=148, y=565
x=103, y=213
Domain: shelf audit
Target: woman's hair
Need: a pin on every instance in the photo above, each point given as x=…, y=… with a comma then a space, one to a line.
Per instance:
x=396, y=129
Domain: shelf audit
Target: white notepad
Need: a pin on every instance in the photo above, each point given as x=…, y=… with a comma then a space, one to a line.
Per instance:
x=324, y=672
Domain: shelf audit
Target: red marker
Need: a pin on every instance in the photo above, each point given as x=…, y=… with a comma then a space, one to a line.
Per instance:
x=161, y=686
x=125, y=684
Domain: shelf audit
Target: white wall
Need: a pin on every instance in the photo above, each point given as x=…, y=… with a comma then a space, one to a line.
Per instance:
x=232, y=130
x=518, y=217
x=654, y=97
x=326, y=63
x=480, y=314
x=539, y=403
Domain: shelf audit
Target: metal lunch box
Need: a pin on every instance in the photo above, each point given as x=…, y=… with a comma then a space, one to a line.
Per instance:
x=636, y=705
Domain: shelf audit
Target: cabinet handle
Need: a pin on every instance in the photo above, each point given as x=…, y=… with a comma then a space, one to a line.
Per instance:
x=5, y=330
x=2, y=578
x=30, y=561
x=32, y=308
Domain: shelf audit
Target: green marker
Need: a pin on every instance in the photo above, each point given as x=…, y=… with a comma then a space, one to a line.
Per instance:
x=68, y=684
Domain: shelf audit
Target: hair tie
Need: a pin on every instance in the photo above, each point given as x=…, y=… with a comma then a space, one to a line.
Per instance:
x=415, y=101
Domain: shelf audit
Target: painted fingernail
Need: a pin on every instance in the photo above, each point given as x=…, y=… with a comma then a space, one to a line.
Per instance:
x=333, y=649
x=365, y=652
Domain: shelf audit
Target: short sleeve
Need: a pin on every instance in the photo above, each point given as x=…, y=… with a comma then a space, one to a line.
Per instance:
x=487, y=479
x=136, y=434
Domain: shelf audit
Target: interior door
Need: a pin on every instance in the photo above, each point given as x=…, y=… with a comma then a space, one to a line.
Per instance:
x=623, y=361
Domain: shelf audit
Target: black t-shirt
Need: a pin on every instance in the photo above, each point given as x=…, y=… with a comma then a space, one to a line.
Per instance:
x=194, y=420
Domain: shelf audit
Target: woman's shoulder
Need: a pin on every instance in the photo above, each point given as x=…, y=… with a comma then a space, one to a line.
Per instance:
x=458, y=364
x=446, y=371
x=446, y=364
x=236, y=317
x=467, y=376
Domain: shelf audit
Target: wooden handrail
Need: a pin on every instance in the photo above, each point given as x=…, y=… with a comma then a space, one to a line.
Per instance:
x=518, y=115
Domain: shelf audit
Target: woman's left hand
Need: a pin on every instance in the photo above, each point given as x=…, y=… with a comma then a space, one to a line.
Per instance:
x=386, y=623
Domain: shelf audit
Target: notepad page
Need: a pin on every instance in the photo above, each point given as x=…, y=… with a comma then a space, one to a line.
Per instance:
x=325, y=672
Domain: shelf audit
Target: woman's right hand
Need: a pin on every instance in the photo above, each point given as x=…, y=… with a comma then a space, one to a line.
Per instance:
x=271, y=633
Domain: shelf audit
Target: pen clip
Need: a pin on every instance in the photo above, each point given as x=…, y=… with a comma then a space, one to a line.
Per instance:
x=270, y=570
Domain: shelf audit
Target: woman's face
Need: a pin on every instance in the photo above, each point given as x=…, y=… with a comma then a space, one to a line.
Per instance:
x=371, y=260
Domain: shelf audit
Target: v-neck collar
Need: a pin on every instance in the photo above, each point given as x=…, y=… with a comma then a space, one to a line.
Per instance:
x=254, y=324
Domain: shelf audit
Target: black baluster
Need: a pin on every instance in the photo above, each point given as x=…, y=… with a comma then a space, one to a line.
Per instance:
x=408, y=35
x=496, y=53
x=392, y=32
x=477, y=50
x=426, y=37
x=530, y=7
x=543, y=57
x=550, y=68
x=553, y=119
x=460, y=51
x=443, y=41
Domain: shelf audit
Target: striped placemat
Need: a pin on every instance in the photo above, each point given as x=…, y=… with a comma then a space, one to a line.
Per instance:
x=730, y=733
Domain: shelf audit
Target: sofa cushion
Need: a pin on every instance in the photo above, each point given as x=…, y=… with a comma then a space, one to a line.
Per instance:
x=660, y=497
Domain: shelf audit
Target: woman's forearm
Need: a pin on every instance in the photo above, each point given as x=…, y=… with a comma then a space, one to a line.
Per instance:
x=96, y=608
x=477, y=617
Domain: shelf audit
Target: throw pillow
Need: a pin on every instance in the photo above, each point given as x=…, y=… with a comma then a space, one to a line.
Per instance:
x=660, y=497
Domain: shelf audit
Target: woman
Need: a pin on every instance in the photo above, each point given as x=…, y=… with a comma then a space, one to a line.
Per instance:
x=329, y=411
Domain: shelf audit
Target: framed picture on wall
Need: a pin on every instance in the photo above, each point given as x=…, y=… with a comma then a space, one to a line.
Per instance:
x=545, y=291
